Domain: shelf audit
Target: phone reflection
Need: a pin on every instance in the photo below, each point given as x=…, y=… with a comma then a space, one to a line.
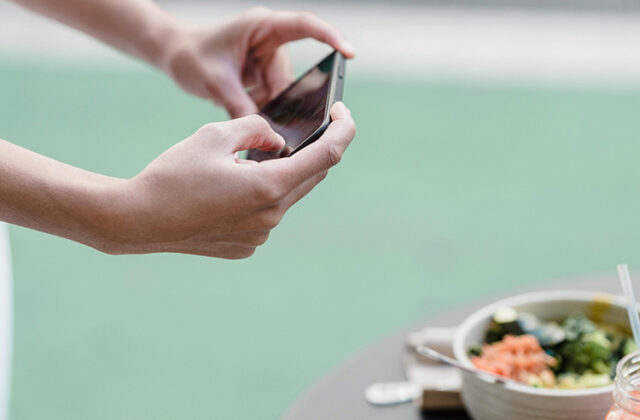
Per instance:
x=299, y=111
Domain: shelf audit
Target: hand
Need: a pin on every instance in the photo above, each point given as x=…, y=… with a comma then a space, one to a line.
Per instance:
x=218, y=63
x=197, y=198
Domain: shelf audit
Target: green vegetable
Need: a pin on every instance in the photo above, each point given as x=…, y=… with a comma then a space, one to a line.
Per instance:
x=576, y=325
x=503, y=322
x=582, y=355
x=586, y=353
x=600, y=366
x=598, y=337
x=475, y=351
x=628, y=346
x=590, y=380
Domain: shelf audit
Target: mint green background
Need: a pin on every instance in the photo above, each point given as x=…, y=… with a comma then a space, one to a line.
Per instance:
x=450, y=192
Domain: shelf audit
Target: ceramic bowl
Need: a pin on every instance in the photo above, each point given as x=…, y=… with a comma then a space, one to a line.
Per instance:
x=488, y=401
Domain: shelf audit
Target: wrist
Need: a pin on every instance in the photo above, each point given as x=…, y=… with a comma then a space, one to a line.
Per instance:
x=159, y=37
x=111, y=222
x=50, y=196
x=170, y=41
x=95, y=208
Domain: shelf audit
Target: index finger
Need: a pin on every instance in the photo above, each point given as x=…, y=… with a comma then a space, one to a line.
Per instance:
x=285, y=27
x=320, y=155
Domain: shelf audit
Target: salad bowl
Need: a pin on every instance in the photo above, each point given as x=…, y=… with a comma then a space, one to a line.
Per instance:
x=491, y=401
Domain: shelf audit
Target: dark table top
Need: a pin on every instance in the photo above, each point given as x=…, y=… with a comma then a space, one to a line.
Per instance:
x=339, y=395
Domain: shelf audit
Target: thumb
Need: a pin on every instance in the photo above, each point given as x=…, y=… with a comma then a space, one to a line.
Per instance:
x=253, y=132
x=322, y=154
x=232, y=95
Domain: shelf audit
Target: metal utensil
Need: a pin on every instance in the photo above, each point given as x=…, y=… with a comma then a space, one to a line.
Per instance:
x=492, y=377
x=391, y=393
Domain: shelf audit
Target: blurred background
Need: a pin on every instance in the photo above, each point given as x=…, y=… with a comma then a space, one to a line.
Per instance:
x=497, y=147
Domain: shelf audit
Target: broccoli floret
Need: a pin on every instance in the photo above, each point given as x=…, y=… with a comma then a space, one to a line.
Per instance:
x=598, y=337
x=586, y=347
x=599, y=366
x=577, y=325
x=628, y=346
x=580, y=356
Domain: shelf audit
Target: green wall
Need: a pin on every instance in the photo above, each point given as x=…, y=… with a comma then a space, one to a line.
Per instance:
x=450, y=192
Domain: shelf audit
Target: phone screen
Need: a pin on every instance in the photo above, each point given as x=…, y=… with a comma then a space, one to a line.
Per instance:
x=300, y=110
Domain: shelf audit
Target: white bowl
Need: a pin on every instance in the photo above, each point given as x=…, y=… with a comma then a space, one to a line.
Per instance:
x=487, y=401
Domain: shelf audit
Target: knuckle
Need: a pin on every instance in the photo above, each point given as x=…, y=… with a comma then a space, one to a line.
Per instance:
x=259, y=238
x=257, y=11
x=247, y=252
x=334, y=154
x=347, y=127
x=268, y=193
x=270, y=219
x=305, y=18
x=258, y=122
x=209, y=130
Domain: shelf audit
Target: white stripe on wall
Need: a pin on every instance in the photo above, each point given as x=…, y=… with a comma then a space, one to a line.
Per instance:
x=400, y=40
x=6, y=320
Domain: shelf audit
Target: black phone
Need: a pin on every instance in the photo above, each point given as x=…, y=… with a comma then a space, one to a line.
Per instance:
x=301, y=113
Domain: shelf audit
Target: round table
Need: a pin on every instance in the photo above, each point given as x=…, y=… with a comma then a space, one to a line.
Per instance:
x=339, y=395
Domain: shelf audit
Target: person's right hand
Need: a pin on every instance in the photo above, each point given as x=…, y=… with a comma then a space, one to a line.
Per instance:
x=197, y=198
x=220, y=62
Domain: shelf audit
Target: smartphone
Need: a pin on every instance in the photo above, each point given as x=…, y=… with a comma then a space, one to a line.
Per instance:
x=301, y=113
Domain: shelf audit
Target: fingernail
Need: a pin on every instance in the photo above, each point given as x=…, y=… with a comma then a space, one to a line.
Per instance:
x=348, y=48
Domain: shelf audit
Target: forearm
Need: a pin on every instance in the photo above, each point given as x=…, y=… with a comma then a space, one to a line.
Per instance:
x=137, y=27
x=50, y=196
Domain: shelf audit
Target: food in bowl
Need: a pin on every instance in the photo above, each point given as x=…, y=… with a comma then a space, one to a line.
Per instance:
x=571, y=353
x=487, y=400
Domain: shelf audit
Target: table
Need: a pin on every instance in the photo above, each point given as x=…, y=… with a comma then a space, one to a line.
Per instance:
x=339, y=395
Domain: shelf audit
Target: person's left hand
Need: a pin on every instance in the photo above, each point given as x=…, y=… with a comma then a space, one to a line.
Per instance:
x=243, y=63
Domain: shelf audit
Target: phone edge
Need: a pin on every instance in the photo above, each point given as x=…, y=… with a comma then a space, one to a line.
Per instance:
x=335, y=95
